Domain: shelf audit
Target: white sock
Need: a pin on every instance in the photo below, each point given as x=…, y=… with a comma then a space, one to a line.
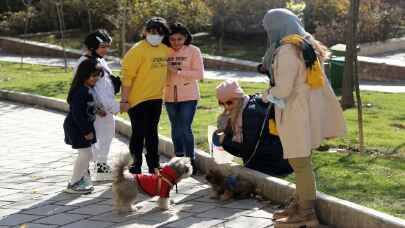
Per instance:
x=82, y=164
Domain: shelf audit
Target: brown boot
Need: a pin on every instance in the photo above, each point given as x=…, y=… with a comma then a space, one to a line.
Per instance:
x=303, y=217
x=292, y=205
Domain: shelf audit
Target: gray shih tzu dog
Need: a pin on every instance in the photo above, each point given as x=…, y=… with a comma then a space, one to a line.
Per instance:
x=125, y=186
x=226, y=185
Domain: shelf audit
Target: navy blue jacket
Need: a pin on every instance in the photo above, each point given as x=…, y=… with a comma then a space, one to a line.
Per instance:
x=79, y=121
x=269, y=155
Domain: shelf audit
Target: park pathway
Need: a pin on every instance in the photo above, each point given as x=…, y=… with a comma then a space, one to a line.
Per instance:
x=35, y=166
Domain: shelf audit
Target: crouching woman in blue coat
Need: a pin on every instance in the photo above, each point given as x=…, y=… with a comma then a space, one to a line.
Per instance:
x=239, y=130
x=78, y=125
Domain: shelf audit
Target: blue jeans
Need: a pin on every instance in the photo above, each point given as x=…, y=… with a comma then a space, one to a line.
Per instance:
x=181, y=115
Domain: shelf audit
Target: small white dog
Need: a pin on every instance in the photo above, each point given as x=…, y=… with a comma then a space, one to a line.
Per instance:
x=125, y=186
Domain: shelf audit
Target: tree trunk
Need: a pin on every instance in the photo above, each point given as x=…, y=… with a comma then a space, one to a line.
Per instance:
x=59, y=11
x=26, y=25
x=124, y=14
x=88, y=15
x=347, y=100
x=24, y=40
x=356, y=6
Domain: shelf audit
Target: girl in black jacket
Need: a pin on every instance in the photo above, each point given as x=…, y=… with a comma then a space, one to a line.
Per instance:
x=78, y=125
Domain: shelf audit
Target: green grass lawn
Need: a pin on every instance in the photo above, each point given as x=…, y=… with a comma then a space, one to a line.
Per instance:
x=376, y=180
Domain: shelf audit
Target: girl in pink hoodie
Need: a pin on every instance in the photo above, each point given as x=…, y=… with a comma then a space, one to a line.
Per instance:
x=185, y=66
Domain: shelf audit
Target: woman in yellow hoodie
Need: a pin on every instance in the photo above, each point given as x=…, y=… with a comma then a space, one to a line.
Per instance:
x=144, y=70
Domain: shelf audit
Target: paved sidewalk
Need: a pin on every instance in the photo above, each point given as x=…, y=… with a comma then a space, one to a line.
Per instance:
x=209, y=74
x=35, y=166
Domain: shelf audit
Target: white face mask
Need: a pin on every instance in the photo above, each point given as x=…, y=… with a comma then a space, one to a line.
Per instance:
x=154, y=40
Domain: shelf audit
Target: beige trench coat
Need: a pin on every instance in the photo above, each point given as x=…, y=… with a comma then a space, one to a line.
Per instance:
x=310, y=115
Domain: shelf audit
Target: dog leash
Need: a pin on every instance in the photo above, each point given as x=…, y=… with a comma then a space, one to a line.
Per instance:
x=261, y=133
x=160, y=178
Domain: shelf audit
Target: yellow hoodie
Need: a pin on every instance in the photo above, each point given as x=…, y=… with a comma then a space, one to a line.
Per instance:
x=144, y=70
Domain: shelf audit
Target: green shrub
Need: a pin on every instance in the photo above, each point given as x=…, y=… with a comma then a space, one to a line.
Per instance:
x=378, y=20
x=193, y=13
x=240, y=16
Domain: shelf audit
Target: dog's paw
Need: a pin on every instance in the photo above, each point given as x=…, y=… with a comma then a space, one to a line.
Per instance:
x=213, y=195
x=166, y=208
x=163, y=203
x=124, y=210
x=226, y=196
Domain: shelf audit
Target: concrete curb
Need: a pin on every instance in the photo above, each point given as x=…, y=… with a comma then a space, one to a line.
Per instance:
x=331, y=210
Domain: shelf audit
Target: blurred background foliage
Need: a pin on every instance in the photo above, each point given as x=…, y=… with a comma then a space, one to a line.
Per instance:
x=379, y=19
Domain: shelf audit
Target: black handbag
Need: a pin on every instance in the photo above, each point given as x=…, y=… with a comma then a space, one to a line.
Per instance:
x=116, y=81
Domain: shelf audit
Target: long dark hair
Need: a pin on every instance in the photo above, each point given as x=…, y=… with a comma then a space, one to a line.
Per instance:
x=181, y=29
x=85, y=69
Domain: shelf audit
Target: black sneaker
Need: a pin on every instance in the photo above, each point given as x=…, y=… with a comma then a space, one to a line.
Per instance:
x=135, y=170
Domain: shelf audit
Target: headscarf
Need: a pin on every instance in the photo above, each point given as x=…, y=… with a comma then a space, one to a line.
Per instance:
x=284, y=27
x=226, y=91
x=278, y=24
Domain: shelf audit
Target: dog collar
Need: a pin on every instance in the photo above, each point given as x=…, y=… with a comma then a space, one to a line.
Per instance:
x=231, y=182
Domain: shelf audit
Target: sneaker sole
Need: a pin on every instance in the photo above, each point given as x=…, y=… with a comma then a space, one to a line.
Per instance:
x=71, y=191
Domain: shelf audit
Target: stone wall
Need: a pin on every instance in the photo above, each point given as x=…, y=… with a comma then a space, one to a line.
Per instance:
x=225, y=63
x=377, y=48
x=375, y=69
x=32, y=48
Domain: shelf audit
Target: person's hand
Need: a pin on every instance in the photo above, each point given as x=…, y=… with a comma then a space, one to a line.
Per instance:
x=101, y=113
x=265, y=96
x=268, y=97
x=89, y=136
x=124, y=107
x=172, y=69
x=261, y=69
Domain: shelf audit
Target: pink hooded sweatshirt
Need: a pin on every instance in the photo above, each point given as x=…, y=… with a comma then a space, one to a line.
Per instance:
x=183, y=85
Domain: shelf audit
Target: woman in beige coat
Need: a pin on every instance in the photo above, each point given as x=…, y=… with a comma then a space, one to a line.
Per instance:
x=306, y=108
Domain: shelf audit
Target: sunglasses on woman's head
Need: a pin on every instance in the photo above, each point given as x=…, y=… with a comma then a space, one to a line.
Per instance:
x=230, y=102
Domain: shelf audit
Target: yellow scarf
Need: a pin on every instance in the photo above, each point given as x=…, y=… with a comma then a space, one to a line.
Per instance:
x=315, y=78
x=273, y=127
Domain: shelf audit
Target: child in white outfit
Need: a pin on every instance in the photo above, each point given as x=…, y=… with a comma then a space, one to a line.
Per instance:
x=97, y=44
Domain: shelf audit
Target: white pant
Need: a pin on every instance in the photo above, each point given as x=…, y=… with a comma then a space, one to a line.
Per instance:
x=81, y=164
x=105, y=131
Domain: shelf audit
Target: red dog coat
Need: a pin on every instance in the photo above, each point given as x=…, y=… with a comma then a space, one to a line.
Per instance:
x=149, y=183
